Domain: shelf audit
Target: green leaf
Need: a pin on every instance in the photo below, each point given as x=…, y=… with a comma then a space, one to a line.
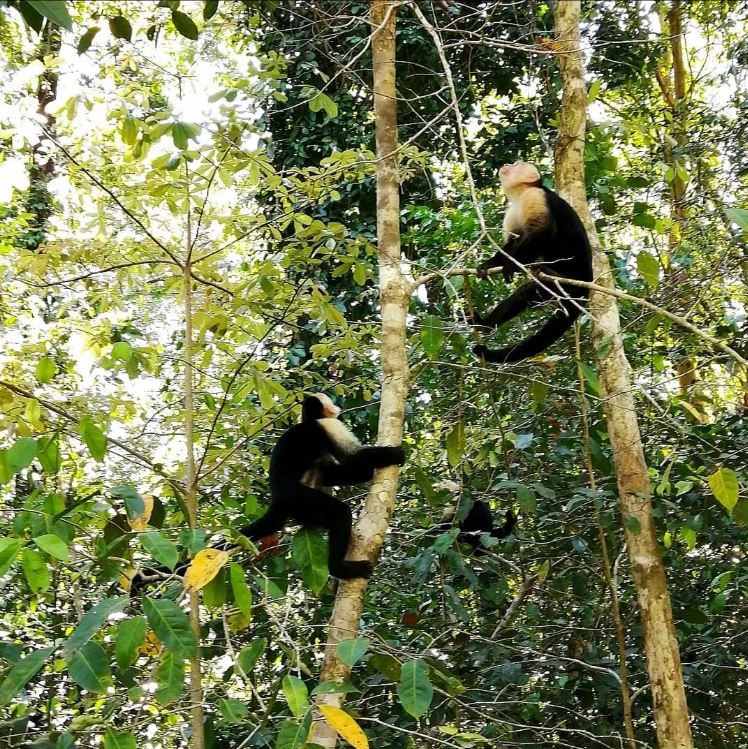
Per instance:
x=526, y=498
x=211, y=6
x=738, y=216
x=233, y=710
x=35, y=570
x=90, y=668
x=456, y=444
x=22, y=673
x=353, y=650
x=310, y=556
x=122, y=351
x=32, y=18
x=134, y=504
x=161, y=549
x=249, y=656
x=593, y=91
x=94, y=438
x=415, y=689
x=387, y=665
x=45, y=369
x=432, y=335
x=120, y=28
x=130, y=636
x=54, y=546
x=297, y=695
x=8, y=552
x=242, y=591
x=171, y=625
x=725, y=487
x=184, y=24
x=87, y=39
x=119, y=740
x=48, y=454
x=632, y=524
x=54, y=10
x=590, y=377
x=91, y=622
x=181, y=132
x=293, y=734
x=169, y=675
x=21, y=454
x=323, y=101
x=648, y=267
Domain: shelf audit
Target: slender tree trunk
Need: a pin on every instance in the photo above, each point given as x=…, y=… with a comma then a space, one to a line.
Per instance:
x=190, y=491
x=395, y=292
x=663, y=656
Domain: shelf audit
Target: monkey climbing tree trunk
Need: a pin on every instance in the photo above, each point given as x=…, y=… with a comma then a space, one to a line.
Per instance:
x=663, y=657
x=395, y=291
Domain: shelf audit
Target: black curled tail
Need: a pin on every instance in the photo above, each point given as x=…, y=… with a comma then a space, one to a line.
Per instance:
x=507, y=528
x=560, y=321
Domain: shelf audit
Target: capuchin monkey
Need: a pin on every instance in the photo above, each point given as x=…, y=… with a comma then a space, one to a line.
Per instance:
x=541, y=228
x=318, y=451
x=479, y=521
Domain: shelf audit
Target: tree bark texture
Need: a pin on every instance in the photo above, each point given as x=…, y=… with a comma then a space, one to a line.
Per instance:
x=663, y=656
x=373, y=523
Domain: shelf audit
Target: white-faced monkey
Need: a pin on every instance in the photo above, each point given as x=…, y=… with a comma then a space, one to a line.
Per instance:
x=541, y=228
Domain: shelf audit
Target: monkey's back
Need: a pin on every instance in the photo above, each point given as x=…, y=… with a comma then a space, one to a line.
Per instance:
x=569, y=252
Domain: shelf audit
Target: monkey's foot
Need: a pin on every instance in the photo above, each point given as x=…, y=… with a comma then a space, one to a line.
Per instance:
x=351, y=570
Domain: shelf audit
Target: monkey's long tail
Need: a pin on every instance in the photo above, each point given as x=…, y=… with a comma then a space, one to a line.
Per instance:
x=560, y=321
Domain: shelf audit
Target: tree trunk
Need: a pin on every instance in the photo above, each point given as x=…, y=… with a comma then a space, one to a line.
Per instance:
x=370, y=531
x=663, y=657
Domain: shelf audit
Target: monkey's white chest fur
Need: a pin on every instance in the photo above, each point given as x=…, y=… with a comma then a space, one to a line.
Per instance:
x=340, y=435
x=527, y=211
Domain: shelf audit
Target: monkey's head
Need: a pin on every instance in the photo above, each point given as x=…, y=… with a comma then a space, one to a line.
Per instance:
x=318, y=406
x=520, y=174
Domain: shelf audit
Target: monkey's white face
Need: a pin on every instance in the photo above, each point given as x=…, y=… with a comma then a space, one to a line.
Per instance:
x=330, y=409
x=517, y=174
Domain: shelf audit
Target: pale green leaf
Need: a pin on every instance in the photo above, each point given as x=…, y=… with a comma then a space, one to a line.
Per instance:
x=432, y=335
x=35, y=570
x=248, y=656
x=130, y=636
x=45, y=369
x=54, y=546
x=21, y=454
x=456, y=444
x=648, y=267
x=9, y=548
x=297, y=695
x=233, y=710
x=310, y=556
x=725, y=487
x=353, y=650
x=119, y=740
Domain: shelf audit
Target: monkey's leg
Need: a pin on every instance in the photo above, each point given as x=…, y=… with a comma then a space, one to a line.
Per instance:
x=359, y=467
x=516, y=303
x=318, y=510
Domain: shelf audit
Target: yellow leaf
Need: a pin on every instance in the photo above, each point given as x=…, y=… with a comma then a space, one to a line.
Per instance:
x=125, y=579
x=140, y=523
x=345, y=726
x=151, y=646
x=204, y=566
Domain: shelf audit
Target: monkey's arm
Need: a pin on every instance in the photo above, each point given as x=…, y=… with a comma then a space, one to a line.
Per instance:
x=359, y=467
x=525, y=249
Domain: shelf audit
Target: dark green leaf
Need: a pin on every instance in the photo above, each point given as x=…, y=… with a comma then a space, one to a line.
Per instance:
x=32, y=18
x=91, y=622
x=55, y=10
x=87, y=39
x=120, y=28
x=233, y=710
x=160, y=548
x=94, y=438
x=249, y=655
x=171, y=625
x=310, y=556
x=169, y=676
x=22, y=673
x=130, y=636
x=89, y=668
x=48, y=454
x=632, y=524
x=242, y=591
x=211, y=6
x=184, y=24
x=293, y=734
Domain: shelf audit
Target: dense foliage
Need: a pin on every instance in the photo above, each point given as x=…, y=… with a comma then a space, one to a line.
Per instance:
x=236, y=140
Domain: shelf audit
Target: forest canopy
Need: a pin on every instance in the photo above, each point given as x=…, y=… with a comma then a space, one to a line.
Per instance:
x=211, y=210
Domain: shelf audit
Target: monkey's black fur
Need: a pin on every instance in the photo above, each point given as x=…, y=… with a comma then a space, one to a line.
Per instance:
x=308, y=447
x=558, y=243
